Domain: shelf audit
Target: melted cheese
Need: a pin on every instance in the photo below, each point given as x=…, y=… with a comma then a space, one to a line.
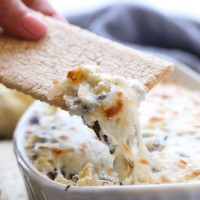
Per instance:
x=113, y=102
x=60, y=146
x=68, y=152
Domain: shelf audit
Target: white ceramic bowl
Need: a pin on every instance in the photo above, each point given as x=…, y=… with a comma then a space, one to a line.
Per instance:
x=42, y=188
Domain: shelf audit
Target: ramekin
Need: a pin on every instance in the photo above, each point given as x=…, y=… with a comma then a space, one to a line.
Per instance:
x=41, y=188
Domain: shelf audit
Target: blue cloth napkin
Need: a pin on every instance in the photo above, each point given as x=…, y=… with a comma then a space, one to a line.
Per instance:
x=146, y=29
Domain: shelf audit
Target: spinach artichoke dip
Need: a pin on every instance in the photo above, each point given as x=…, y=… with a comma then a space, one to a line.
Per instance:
x=115, y=145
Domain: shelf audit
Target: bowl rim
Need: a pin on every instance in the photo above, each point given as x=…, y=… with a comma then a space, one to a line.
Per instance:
x=28, y=167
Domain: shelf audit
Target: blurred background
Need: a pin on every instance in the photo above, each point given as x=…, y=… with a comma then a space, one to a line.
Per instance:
x=174, y=7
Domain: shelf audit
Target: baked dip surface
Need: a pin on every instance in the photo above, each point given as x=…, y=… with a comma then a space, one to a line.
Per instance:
x=65, y=150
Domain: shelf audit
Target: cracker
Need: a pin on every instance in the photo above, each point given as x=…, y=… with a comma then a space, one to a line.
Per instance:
x=32, y=66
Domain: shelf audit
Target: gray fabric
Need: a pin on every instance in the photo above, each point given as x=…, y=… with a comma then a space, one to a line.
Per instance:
x=146, y=29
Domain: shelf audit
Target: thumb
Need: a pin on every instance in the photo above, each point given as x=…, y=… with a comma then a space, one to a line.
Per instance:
x=16, y=19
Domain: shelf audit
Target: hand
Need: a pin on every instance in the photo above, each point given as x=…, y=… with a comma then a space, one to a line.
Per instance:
x=16, y=18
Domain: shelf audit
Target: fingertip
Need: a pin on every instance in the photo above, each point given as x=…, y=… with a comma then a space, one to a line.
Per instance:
x=34, y=26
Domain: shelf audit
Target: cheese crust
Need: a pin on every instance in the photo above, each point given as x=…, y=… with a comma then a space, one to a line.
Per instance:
x=64, y=149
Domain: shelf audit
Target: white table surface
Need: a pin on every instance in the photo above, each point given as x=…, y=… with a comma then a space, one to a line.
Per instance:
x=11, y=183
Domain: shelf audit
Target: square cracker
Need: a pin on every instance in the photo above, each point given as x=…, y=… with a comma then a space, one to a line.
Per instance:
x=31, y=66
